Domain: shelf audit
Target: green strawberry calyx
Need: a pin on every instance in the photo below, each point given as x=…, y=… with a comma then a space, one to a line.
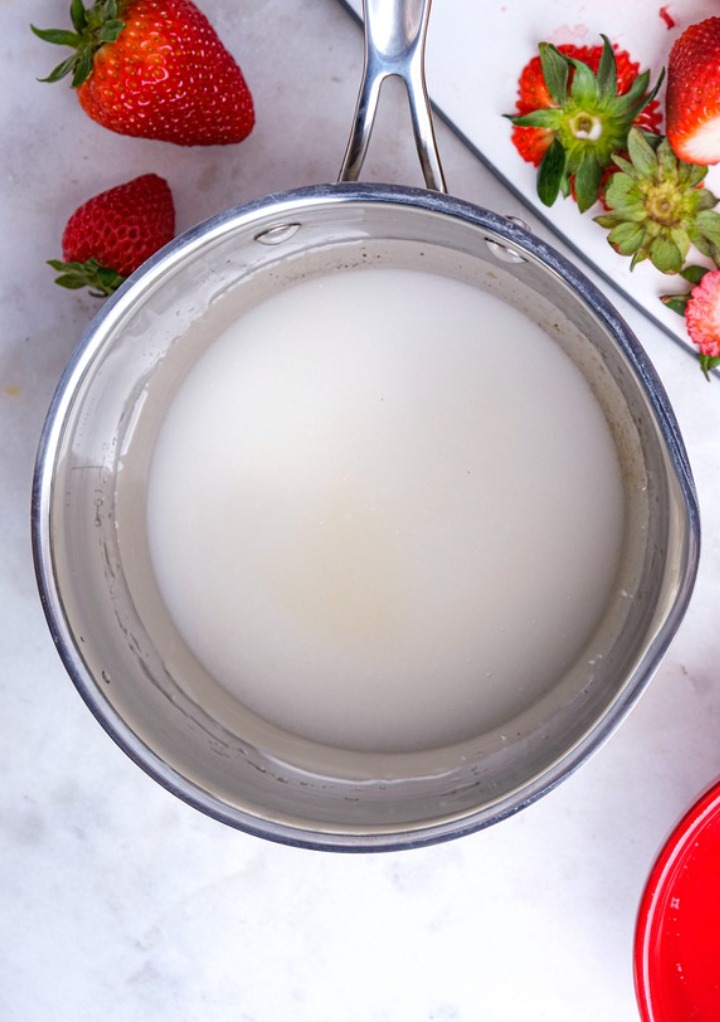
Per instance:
x=678, y=301
x=657, y=206
x=708, y=362
x=93, y=27
x=100, y=279
x=589, y=120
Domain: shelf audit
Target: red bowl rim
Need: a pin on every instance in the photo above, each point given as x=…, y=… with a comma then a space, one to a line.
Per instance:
x=682, y=839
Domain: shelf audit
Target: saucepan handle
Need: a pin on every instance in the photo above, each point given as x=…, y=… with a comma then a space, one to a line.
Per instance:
x=395, y=32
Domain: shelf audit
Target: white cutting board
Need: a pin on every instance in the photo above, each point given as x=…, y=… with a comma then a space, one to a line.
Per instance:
x=475, y=52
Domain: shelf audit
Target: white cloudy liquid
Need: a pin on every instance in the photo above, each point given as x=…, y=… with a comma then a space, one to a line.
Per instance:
x=384, y=510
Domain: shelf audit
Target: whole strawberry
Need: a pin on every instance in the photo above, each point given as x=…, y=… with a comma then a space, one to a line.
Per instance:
x=693, y=94
x=112, y=234
x=154, y=69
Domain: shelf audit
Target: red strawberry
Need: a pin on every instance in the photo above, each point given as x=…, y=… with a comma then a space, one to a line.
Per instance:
x=532, y=143
x=112, y=234
x=700, y=308
x=693, y=94
x=702, y=315
x=154, y=69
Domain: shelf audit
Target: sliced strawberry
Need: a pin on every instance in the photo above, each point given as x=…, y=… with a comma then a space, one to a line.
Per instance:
x=531, y=143
x=533, y=92
x=112, y=234
x=575, y=107
x=702, y=315
x=693, y=94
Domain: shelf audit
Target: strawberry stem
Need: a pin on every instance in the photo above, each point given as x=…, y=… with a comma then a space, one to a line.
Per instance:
x=708, y=362
x=74, y=275
x=94, y=27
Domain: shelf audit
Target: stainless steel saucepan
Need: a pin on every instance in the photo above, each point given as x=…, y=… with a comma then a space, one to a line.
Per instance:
x=107, y=619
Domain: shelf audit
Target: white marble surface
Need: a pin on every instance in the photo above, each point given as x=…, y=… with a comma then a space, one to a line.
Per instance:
x=117, y=902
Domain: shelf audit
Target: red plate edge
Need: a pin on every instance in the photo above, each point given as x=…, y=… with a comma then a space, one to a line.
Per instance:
x=662, y=992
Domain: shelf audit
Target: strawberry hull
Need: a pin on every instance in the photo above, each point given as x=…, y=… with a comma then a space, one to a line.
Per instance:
x=575, y=107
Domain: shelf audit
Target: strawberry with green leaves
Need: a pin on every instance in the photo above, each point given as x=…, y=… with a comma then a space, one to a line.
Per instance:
x=580, y=112
x=154, y=69
x=112, y=234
